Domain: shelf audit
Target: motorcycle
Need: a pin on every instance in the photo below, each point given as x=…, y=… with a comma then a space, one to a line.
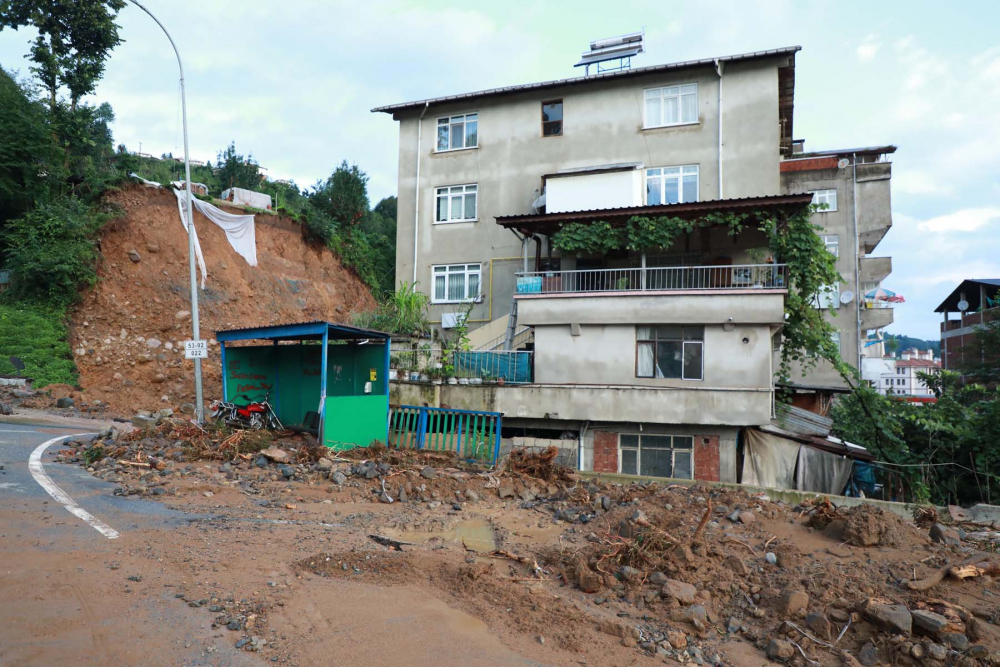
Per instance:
x=255, y=415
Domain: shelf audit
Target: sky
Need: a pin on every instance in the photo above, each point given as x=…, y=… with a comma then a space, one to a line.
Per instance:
x=293, y=83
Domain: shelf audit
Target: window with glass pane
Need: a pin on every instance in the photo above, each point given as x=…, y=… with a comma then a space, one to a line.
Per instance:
x=456, y=282
x=456, y=132
x=827, y=198
x=832, y=243
x=456, y=203
x=670, y=352
x=656, y=455
x=552, y=116
x=671, y=105
x=671, y=185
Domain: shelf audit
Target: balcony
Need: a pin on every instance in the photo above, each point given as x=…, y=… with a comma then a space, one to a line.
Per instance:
x=651, y=280
x=875, y=269
x=874, y=203
x=876, y=314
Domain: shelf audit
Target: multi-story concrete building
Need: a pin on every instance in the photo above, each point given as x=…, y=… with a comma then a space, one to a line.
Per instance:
x=977, y=303
x=648, y=363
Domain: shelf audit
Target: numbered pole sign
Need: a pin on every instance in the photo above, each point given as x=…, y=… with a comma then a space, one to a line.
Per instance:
x=195, y=349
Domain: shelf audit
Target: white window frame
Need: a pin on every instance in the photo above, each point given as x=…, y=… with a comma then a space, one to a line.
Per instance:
x=675, y=92
x=449, y=122
x=638, y=452
x=684, y=346
x=470, y=269
x=831, y=241
x=828, y=197
x=835, y=337
x=682, y=171
x=452, y=192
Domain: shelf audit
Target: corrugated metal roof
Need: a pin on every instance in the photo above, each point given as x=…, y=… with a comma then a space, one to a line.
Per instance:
x=800, y=420
x=294, y=330
x=637, y=71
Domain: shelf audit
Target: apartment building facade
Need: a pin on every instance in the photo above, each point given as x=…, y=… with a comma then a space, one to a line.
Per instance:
x=976, y=302
x=644, y=363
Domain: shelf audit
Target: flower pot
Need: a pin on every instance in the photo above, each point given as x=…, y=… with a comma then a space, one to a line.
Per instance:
x=475, y=380
x=500, y=381
x=393, y=374
x=436, y=381
x=424, y=377
x=463, y=380
x=414, y=376
x=452, y=380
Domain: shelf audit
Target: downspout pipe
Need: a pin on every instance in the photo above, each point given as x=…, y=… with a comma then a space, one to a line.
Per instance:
x=718, y=69
x=416, y=197
x=857, y=252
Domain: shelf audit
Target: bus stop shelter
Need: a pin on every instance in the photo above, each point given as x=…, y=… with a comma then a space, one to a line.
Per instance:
x=335, y=374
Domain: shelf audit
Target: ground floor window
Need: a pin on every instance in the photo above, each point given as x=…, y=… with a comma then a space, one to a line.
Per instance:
x=656, y=455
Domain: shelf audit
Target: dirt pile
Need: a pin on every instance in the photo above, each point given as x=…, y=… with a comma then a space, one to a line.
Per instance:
x=127, y=333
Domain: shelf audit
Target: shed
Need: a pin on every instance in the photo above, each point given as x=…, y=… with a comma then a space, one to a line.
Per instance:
x=336, y=372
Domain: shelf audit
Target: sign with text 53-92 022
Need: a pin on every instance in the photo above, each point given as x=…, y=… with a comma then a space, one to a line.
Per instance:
x=195, y=349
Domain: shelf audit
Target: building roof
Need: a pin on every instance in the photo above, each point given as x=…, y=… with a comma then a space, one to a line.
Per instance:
x=546, y=223
x=917, y=363
x=300, y=331
x=636, y=71
x=844, y=152
x=971, y=289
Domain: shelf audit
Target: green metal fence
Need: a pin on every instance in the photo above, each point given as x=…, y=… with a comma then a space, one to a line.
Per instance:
x=472, y=434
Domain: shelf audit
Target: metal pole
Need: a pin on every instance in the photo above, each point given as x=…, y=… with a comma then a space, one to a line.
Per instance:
x=199, y=409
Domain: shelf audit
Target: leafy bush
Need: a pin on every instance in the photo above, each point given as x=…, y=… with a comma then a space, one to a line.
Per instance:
x=401, y=312
x=37, y=336
x=51, y=251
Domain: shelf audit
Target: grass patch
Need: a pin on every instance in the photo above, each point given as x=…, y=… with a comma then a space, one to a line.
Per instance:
x=37, y=335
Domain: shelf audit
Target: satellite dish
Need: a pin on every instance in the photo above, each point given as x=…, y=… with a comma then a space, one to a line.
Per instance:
x=963, y=305
x=842, y=163
x=847, y=297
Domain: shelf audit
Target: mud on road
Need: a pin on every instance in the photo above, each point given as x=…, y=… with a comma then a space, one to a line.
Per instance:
x=295, y=556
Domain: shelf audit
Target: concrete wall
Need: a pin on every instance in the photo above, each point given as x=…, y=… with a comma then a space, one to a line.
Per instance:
x=714, y=448
x=601, y=190
x=603, y=124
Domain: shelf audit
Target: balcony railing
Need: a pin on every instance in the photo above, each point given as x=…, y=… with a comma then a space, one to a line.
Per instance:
x=668, y=278
x=463, y=367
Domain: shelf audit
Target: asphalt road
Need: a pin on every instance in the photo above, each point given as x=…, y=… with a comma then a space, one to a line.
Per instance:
x=66, y=596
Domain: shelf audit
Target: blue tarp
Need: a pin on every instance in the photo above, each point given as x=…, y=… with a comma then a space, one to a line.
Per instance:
x=514, y=367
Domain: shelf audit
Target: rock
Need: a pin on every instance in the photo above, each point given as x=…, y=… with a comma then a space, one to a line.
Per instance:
x=506, y=491
x=747, y=517
x=5, y=409
x=626, y=573
x=434, y=504
x=793, y=602
x=428, y=472
x=956, y=640
x=471, y=496
x=65, y=402
x=187, y=408
x=771, y=558
x=338, y=478
x=164, y=413
x=936, y=651
x=153, y=343
x=286, y=471
x=733, y=626
x=736, y=565
x=261, y=462
x=324, y=464
x=678, y=590
x=275, y=454
x=383, y=497
x=234, y=624
x=779, y=649
x=944, y=535
x=734, y=517
x=402, y=496
x=143, y=422
x=182, y=314
x=243, y=642
x=892, y=617
x=695, y=614
x=868, y=655
x=978, y=652
x=917, y=651
x=677, y=639
x=820, y=625
x=133, y=254
x=153, y=248
x=928, y=621
x=657, y=578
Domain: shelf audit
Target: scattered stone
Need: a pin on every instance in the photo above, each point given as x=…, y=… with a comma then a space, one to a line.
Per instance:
x=243, y=642
x=182, y=315
x=133, y=254
x=143, y=422
x=261, y=462
x=677, y=639
x=771, y=558
x=917, y=651
x=153, y=248
x=678, y=590
x=928, y=621
x=868, y=655
x=820, y=625
x=893, y=617
x=793, y=602
x=956, y=640
x=286, y=471
x=428, y=472
x=153, y=343
x=695, y=614
x=747, y=517
x=658, y=578
x=471, y=496
x=338, y=478
x=944, y=535
x=736, y=565
x=64, y=402
x=5, y=409
x=324, y=464
x=187, y=408
x=936, y=651
x=383, y=497
x=779, y=649
x=275, y=454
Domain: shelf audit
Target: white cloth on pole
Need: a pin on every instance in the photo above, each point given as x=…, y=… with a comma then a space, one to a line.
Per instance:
x=243, y=197
x=240, y=230
x=182, y=209
x=148, y=184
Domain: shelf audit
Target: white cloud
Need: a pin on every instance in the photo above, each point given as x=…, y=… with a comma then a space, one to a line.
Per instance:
x=963, y=220
x=919, y=182
x=988, y=64
x=868, y=48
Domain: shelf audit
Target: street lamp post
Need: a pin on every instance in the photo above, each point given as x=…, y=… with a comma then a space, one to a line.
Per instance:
x=199, y=399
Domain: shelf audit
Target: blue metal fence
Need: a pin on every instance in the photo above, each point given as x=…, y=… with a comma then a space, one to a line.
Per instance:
x=473, y=434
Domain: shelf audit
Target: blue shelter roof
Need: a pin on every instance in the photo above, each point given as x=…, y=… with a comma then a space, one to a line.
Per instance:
x=300, y=331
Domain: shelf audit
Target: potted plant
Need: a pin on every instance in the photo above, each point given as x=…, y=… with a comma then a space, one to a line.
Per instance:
x=435, y=374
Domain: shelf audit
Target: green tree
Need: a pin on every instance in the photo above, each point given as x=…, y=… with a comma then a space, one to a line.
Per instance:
x=984, y=367
x=237, y=171
x=387, y=208
x=74, y=39
x=343, y=197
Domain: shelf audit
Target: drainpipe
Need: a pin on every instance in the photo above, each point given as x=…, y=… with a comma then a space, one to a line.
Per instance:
x=416, y=198
x=857, y=252
x=718, y=69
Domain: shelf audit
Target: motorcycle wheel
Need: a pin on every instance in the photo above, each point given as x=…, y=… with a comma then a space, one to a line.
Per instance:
x=256, y=421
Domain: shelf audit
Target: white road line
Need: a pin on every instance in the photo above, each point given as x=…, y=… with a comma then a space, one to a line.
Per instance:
x=43, y=479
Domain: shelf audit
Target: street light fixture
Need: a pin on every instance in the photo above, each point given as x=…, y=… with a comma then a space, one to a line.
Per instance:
x=199, y=409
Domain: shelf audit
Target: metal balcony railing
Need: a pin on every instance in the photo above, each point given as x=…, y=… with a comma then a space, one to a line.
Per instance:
x=668, y=278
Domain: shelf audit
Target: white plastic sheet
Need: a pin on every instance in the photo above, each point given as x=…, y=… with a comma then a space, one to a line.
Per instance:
x=243, y=197
x=769, y=461
x=240, y=230
x=822, y=472
x=196, y=188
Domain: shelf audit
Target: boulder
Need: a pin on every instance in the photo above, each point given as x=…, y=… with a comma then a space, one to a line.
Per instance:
x=133, y=255
x=428, y=472
x=324, y=464
x=820, y=625
x=338, y=478
x=944, y=535
x=678, y=590
x=276, y=454
x=779, y=649
x=892, y=617
x=793, y=602
x=928, y=621
x=65, y=402
x=143, y=422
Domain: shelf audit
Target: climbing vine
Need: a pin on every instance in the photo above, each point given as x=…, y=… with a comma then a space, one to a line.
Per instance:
x=807, y=336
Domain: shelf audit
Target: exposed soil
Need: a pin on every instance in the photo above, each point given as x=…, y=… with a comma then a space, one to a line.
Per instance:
x=577, y=571
x=127, y=333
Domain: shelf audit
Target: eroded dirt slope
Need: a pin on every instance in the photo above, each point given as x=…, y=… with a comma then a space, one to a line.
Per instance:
x=127, y=332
